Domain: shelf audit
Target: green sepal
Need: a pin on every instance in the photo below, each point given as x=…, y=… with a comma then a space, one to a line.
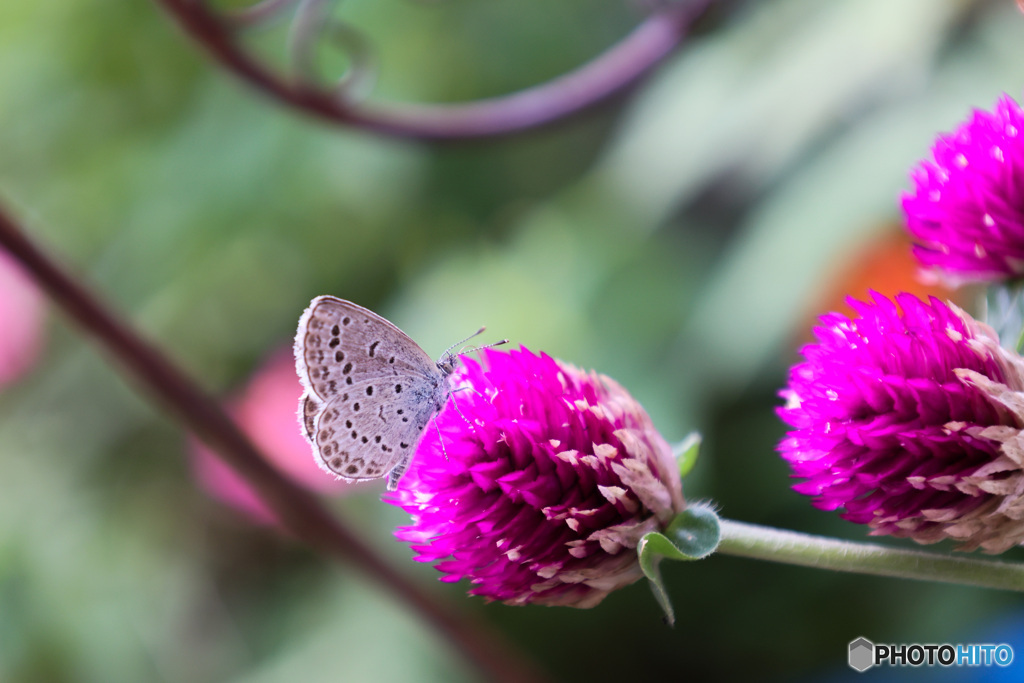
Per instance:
x=692, y=535
x=1004, y=312
x=686, y=452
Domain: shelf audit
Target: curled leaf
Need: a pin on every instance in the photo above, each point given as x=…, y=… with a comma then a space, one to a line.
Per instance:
x=692, y=535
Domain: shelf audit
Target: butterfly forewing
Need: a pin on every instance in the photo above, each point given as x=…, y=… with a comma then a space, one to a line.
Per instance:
x=370, y=389
x=339, y=343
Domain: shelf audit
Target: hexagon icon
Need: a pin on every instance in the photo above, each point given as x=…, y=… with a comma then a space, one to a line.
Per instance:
x=862, y=654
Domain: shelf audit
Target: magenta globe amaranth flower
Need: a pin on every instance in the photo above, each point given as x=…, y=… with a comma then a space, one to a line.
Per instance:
x=908, y=418
x=538, y=483
x=966, y=210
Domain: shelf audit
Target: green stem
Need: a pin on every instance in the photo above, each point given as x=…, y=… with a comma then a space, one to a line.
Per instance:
x=790, y=547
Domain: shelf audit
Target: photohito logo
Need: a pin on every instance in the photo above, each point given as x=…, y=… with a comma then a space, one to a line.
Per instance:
x=864, y=654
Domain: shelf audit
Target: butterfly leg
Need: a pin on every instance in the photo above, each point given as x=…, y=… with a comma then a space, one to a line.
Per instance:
x=440, y=437
x=396, y=473
x=459, y=410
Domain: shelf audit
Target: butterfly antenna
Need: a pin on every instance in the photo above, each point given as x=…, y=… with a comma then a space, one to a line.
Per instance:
x=490, y=346
x=475, y=334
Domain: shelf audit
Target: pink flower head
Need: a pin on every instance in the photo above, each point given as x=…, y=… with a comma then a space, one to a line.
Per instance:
x=542, y=481
x=266, y=411
x=21, y=320
x=908, y=418
x=967, y=207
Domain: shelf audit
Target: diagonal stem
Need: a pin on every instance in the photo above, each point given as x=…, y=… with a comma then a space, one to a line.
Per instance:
x=296, y=509
x=613, y=72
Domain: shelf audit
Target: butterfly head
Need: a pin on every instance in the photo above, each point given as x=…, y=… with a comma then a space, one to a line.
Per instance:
x=449, y=360
x=446, y=364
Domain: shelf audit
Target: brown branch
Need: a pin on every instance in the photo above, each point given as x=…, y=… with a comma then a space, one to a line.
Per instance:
x=258, y=13
x=296, y=509
x=613, y=72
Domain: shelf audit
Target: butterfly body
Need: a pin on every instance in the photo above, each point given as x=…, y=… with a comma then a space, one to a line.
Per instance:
x=370, y=390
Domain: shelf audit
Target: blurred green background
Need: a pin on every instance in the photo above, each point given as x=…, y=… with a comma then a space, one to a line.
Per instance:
x=678, y=241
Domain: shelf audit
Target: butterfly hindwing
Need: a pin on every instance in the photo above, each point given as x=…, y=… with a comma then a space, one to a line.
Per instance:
x=360, y=437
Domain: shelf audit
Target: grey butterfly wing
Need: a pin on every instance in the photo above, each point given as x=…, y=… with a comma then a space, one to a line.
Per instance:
x=309, y=408
x=362, y=437
x=339, y=343
x=370, y=389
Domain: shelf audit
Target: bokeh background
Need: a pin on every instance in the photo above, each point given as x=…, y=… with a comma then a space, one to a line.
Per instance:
x=681, y=241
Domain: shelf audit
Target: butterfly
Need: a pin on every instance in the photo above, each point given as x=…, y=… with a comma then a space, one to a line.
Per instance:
x=370, y=390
